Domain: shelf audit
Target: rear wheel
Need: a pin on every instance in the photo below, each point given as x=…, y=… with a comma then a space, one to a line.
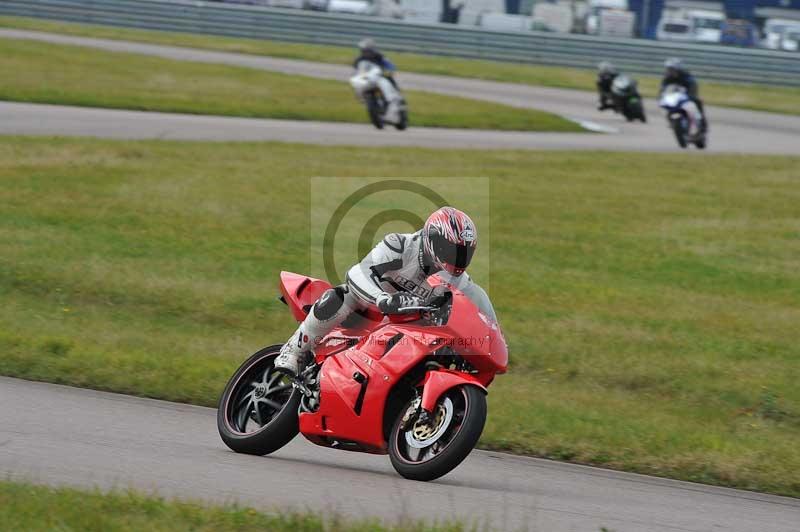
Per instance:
x=427, y=451
x=374, y=109
x=257, y=412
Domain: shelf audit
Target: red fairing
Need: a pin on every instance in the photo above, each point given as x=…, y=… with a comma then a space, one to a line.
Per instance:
x=361, y=367
x=439, y=381
x=476, y=336
x=301, y=292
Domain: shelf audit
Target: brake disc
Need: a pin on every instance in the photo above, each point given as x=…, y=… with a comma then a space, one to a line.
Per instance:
x=423, y=434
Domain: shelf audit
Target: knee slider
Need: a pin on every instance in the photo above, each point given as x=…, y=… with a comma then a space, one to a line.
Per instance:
x=329, y=303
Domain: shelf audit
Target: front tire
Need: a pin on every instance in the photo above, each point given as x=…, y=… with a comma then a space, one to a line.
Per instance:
x=374, y=110
x=258, y=411
x=403, y=121
x=427, y=452
x=637, y=111
x=680, y=132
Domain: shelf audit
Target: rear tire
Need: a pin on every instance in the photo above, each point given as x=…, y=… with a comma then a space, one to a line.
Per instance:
x=457, y=440
x=244, y=405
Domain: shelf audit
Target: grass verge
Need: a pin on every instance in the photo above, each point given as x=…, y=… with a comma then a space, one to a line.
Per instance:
x=651, y=312
x=73, y=75
x=29, y=508
x=784, y=100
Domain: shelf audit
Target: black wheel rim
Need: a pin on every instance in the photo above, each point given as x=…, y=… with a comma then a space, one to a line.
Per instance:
x=257, y=398
x=419, y=455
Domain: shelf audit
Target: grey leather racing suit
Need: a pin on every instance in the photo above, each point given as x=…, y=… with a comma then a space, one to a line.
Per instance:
x=396, y=264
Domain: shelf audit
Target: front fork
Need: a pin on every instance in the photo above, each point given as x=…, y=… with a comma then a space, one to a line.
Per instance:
x=413, y=413
x=308, y=385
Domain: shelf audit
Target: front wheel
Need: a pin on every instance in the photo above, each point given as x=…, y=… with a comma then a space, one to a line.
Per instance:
x=374, y=110
x=257, y=412
x=680, y=132
x=427, y=451
x=402, y=122
x=637, y=111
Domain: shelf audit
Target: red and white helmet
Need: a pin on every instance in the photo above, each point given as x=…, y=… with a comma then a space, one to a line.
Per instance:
x=449, y=238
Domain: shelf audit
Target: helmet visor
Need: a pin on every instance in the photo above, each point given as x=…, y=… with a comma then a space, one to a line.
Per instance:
x=447, y=253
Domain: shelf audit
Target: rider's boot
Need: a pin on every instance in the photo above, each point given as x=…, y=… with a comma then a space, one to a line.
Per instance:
x=328, y=312
x=294, y=354
x=704, y=121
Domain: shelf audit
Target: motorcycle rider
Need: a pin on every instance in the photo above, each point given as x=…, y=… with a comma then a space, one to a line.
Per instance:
x=393, y=276
x=676, y=74
x=368, y=51
x=606, y=73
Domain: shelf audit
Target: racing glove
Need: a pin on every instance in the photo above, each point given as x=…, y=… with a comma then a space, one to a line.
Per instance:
x=390, y=303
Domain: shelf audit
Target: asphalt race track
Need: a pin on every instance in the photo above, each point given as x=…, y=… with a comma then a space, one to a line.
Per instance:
x=69, y=436
x=732, y=130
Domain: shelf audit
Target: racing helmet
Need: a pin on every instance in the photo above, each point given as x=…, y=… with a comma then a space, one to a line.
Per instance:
x=673, y=65
x=367, y=45
x=607, y=68
x=449, y=239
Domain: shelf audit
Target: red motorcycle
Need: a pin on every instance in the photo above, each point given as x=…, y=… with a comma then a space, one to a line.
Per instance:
x=412, y=384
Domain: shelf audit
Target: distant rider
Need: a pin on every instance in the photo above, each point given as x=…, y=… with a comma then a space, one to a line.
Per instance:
x=368, y=51
x=676, y=74
x=606, y=73
x=392, y=276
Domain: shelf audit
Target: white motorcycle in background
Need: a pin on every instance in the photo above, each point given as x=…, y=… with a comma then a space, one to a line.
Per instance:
x=684, y=117
x=385, y=104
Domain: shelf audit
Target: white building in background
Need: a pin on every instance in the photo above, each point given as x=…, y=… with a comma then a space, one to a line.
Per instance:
x=559, y=17
x=420, y=11
x=691, y=21
x=781, y=29
x=473, y=9
x=352, y=7
x=505, y=22
x=596, y=10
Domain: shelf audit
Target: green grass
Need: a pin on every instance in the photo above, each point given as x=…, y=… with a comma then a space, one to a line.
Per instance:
x=49, y=73
x=746, y=96
x=651, y=312
x=28, y=508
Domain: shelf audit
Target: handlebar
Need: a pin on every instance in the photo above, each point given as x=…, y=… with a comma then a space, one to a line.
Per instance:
x=420, y=308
